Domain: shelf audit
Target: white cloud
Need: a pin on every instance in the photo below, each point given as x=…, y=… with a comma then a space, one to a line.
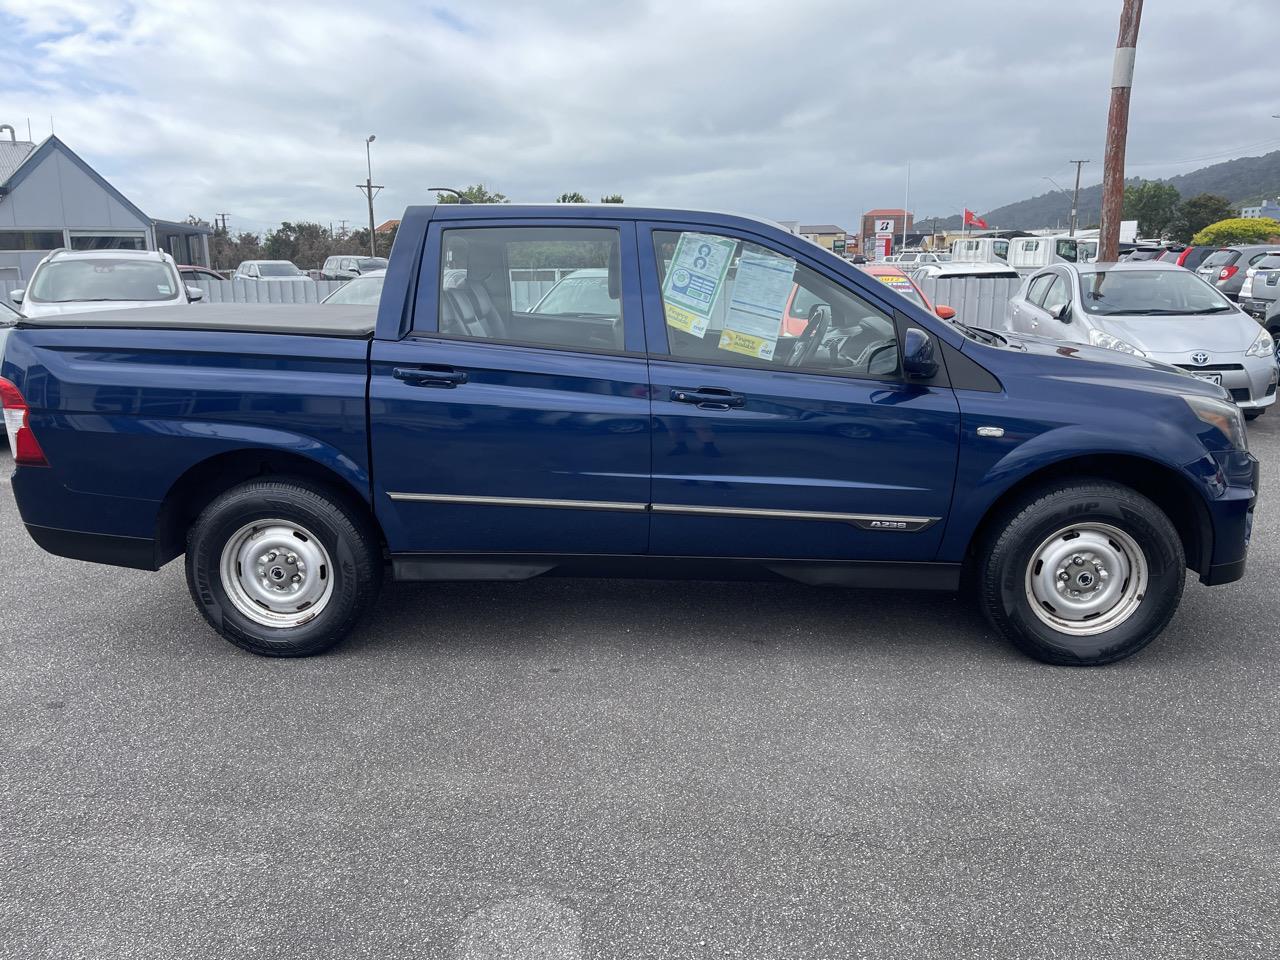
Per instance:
x=807, y=110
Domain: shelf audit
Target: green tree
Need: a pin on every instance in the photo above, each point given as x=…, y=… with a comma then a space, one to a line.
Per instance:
x=476, y=193
x=1197, y=213
x=611, y=198
x=1153, y=205
x=574, y=197
x=227, y=252
x=1238, y=230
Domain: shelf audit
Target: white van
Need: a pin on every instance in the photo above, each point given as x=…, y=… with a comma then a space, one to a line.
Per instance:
x=1028, y=254
x=980, y=250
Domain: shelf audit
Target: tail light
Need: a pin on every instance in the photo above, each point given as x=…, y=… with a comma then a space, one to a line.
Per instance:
x=17, y=423
x=1226, y=273
x=1182, y=257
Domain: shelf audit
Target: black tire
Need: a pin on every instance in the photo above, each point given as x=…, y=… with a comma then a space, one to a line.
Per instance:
x=1029, y=527
x=1254, y=414
x=346, y=538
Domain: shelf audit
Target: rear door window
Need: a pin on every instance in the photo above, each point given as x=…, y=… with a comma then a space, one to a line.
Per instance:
x=534, y=286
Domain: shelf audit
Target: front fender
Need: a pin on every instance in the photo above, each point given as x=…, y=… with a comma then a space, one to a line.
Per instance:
x=989, y=467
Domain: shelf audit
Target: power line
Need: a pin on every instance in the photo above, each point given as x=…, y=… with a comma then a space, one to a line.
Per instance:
x=1213, y=156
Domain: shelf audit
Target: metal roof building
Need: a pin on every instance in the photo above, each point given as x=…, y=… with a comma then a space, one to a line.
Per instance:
x=51, y=198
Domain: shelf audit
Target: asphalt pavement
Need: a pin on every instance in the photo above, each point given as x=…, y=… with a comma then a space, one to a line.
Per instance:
x=612, y=769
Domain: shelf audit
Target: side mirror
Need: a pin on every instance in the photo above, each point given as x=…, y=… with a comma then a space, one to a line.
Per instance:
x=918, y=358
x=194, y=293
x=1064, y=313
x=16, y=295
x=945, y=312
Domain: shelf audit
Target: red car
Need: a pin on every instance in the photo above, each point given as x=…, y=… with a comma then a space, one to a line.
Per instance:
x=802, y=301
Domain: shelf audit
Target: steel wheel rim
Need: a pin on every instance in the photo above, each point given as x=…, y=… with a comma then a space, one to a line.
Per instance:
x=277, y=573
x=1086, y=579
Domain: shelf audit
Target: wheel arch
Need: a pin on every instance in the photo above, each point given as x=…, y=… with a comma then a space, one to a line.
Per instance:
x=1170, y=490
x=202, y=482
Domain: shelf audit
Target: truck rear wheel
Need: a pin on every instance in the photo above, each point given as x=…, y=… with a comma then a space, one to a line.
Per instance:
x=281, y=568
x=1082, y=573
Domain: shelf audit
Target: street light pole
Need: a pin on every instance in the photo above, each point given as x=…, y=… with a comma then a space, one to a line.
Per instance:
x=370, y=189
x=1075, y=197
x=1118, y=132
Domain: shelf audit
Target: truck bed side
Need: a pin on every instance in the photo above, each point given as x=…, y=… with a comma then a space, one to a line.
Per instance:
x=124, y=414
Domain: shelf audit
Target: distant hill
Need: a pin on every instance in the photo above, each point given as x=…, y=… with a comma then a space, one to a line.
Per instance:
x=1241, y=181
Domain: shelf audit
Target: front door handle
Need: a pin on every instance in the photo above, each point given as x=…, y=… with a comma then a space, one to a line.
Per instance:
x=708, y=398
x=445, y=377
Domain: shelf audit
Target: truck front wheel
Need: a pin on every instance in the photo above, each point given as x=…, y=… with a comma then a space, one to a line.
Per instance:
x=280, y=568
x=1082, y=573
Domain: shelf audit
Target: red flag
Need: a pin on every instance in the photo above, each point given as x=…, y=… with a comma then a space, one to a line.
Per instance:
x=971, y=219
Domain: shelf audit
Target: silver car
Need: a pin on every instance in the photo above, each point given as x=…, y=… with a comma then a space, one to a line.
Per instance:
x=1227, y=267
x=1154, y=310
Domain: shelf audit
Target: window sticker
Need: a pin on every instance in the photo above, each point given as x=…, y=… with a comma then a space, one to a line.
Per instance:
x=895, y=282
x=695, y=280
x=760, y=293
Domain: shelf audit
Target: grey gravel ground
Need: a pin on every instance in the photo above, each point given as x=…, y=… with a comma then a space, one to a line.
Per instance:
x=565, y=769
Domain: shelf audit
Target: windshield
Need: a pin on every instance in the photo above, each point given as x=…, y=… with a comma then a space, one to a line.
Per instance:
x=577, y=296
x=366, y=290
x=371, y=263
x=278, y=270
x=66, y=281
x=1270, y=262
x=1150, y=293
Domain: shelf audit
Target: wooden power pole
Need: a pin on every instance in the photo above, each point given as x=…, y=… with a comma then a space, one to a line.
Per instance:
x=1118, y=132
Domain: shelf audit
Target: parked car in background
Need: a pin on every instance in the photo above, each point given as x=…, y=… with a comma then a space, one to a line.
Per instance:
x=911, y=259
x=346, y=266
x=1143, y=253
x=366, y=289
x=1261, y=287
x=1182, y=255
x=980, y=250
x=192, y=273
x=270, y=270
x=899, y=282
x=1027, y=254
x=1154, y=310
x=1225, y=268
x=297, y=455
x=960, y=268
x=79, y=281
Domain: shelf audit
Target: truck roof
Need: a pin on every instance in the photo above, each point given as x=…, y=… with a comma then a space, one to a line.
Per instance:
x=305, y=319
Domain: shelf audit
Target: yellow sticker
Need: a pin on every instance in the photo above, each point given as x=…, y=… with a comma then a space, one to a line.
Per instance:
x=685, y=320
x=746, y=344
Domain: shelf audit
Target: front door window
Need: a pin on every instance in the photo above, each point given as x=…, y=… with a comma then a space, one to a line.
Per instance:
x=731, y=301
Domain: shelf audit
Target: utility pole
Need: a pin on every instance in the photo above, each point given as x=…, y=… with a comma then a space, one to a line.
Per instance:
x=1118, y=132
x=1075, y=198
x=223, y=218
x=342, y=229
x=370, y=190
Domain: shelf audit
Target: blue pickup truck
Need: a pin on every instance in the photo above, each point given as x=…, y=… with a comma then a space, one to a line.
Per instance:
x=658, y=420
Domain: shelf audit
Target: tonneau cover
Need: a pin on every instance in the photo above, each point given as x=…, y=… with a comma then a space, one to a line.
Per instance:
x=306, y=319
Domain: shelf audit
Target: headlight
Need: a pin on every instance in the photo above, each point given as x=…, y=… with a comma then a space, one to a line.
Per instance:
x=1264, y=346
x=1100, y=339
x=1223, y=416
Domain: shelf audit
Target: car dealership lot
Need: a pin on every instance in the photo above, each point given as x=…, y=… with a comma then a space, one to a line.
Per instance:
x=620, y=769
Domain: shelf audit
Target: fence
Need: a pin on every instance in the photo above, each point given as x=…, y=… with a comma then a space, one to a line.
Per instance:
x=266, y=291
x=978, y=301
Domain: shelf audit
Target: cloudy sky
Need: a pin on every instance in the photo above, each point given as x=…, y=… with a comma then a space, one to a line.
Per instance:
x=807, y=109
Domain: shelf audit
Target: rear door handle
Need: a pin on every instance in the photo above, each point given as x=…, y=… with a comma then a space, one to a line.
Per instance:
x=708, y=398
x=445, y=377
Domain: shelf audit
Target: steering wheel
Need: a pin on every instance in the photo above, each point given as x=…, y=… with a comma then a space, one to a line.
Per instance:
x=811, y=339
